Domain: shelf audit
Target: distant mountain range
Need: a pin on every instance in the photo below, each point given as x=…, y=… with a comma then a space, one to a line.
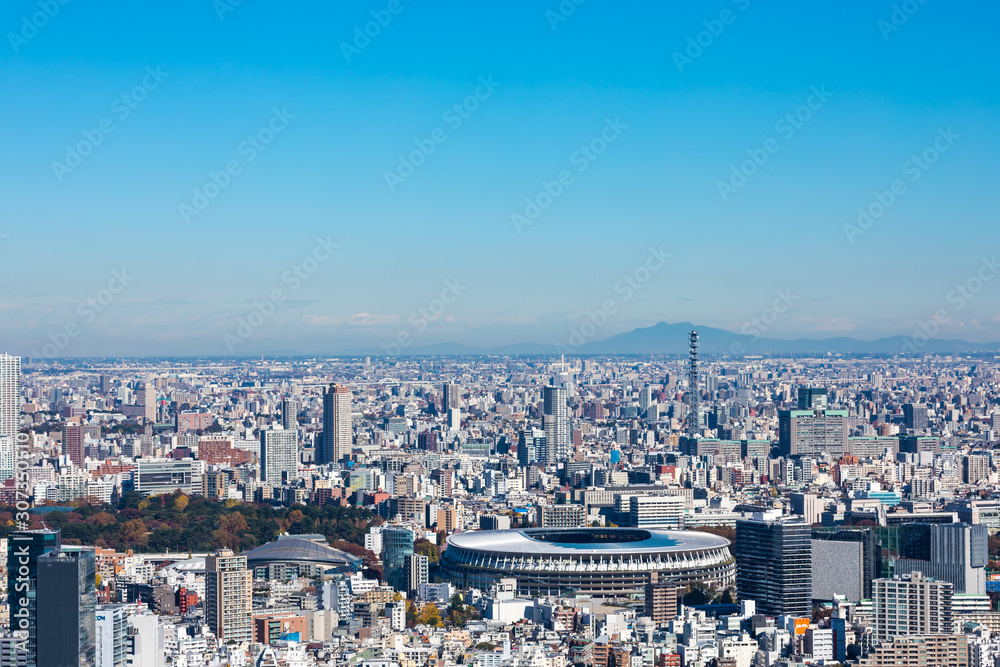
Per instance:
x=664, y=338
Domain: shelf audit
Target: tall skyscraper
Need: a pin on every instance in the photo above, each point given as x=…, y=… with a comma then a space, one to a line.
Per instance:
x=451, y=397
x=645, y=399
x=279, y=456
x=24, y=548
x=228, y=591
x=774, y=564
x=915, y=417
x=72, y=444
x=555, y=420
x=290, y=413
x=10, y=394
x=336, y=425
x=67, y=601
x=954, y=552
x=397, y=544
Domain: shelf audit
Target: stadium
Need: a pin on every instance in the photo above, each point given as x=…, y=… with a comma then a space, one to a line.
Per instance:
x=298, y=556
x=603, y=562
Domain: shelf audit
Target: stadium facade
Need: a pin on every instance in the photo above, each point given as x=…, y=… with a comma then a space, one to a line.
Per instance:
x=603, y=562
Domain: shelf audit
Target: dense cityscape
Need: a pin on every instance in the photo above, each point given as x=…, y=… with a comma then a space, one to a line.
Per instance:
x=549, y=511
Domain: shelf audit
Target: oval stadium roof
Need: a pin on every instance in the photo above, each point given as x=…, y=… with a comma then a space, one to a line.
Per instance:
x=534, y=541
x=297, y=550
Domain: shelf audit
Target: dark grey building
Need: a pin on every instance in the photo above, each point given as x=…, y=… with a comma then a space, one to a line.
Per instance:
x=774, y=564
x=812, y=398
x=831, y=572
x=67, y=601
x=24, y=548
x=914, y=417
x=954, y=552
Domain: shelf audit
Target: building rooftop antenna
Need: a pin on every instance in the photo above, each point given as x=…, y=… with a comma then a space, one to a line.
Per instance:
x=693, y=417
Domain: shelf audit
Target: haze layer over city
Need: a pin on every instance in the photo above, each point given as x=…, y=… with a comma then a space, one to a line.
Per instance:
x=394, y=334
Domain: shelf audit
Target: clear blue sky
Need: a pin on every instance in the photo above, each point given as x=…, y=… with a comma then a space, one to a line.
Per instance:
x=324, y=173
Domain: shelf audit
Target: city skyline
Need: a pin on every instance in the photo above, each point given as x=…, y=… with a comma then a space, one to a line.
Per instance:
x=445, y=178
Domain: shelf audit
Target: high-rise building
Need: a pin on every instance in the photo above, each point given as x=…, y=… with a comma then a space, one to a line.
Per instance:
x=228, y=591
x=911, y=605
x=813, y=432
x=416, y=572
x=24, y=548
x=555, y=420
x=915, y=417
x=289, y=413
x=336, y=425
x=72, y=444
x=645, y=399
x=112, y=631
x=774, y=564
x=10, y=394
x=105, y=383
x=812, y=398
x=397, y=544
x=279, y=456
x=845, y=571
x=8, y=458
x=661, y=600
x=451, y=397
x=954, y=552
x=67, y=600
x=975, y=468
x=427, y=441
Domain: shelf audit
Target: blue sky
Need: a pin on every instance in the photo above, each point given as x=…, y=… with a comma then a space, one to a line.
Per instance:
x=887, y=94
